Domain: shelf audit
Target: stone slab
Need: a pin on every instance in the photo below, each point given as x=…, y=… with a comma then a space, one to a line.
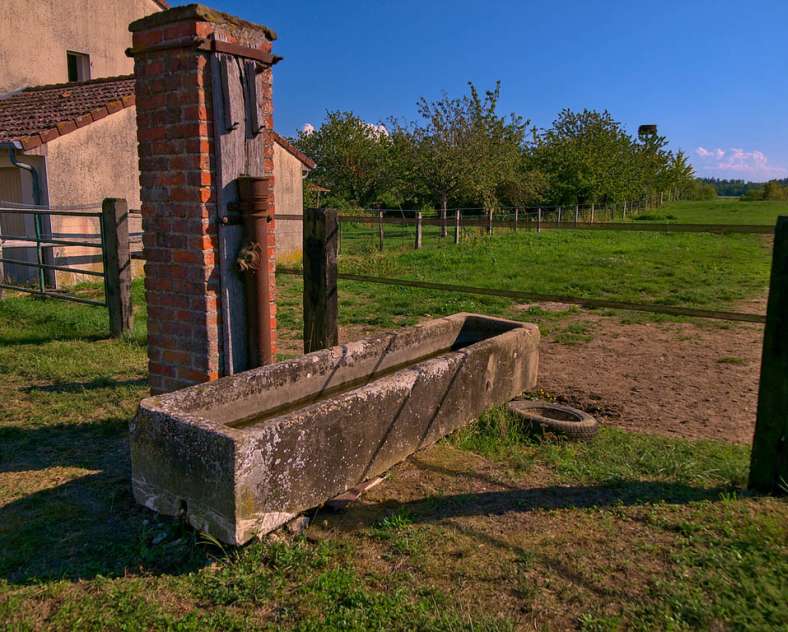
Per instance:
x=245, y=454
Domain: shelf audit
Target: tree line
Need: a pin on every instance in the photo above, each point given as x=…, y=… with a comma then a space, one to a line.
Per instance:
x=772, y=190
x=461, y=152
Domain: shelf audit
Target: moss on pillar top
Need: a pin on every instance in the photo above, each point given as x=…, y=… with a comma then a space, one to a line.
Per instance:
x=198, y=13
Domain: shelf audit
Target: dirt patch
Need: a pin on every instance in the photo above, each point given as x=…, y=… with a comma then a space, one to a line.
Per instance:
x=694, y=380
x=675, y=379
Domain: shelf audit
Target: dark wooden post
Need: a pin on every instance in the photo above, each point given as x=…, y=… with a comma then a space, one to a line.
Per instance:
x=419, y=230
x=117, y=265
x=769, y=459
x=457, y=221
x=320, y=279
x=380, y=230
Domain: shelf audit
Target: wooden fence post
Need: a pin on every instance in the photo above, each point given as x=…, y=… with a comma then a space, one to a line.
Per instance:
x=320, y=279
x=516, y=217
x=490, y=222
x=539, y=220
x=769, y=458
x=380, y=230
x=117, y=265
x=577, y=213
x=419, y=230
x=592, y=212
x=559, y=214
x=457, y=221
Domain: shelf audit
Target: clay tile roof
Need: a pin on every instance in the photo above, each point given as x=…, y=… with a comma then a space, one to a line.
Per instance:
x=290, y=148
x=42, y=113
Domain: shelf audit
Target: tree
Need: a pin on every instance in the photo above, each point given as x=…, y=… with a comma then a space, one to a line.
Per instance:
x=587, y=157
x=353, y=157
x=679, y=175
x=436, y=149
x=496, y=148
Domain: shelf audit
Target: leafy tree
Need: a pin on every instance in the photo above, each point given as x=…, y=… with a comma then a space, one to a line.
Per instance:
x=436, y=149
x=699, y=190
x=462, y=151
x=772, y=190
x=353, y=157
x=495, y=148
x=587, y=157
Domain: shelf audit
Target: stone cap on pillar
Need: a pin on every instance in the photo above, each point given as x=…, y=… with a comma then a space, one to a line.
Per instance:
x=197, y=13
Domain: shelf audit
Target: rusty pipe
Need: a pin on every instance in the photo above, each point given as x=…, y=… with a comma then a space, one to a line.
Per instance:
x=253, y=193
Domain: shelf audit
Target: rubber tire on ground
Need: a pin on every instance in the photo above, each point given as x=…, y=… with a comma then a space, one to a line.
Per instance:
x=583, y=427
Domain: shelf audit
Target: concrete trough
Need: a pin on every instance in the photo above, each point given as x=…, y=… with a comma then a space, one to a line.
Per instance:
x=241, y=456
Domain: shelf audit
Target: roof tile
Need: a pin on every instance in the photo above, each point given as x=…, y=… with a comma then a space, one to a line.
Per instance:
x=52, y=110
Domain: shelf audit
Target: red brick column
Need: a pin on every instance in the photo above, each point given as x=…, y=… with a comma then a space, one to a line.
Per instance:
x=178, y=179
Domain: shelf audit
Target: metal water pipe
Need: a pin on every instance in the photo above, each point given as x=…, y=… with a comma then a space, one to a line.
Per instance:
x=12, y=147
x=254, y=261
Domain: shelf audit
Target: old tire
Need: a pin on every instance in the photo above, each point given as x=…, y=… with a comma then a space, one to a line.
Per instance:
x=564, y=420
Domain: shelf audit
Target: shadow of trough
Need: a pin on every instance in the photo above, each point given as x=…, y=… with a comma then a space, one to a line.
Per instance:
x=523, y=500
x=90, y=524
x=450, y=510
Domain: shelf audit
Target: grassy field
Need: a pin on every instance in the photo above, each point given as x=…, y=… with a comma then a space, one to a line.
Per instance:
x=719, y=211
x=494, y=529
x=693, y=270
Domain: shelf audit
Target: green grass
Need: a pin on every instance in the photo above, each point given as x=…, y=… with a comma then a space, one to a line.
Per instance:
x=614, y=457
x=500, y=530
x=693, y=270
x=719, y=211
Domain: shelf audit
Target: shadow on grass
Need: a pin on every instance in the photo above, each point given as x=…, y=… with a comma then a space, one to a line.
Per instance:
x=622, y=493
x=79, y=387
x=90, y=525
x=453, y=511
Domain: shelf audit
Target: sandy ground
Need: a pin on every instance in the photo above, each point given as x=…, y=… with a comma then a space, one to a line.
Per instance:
x=676, y=379
x=695, y=380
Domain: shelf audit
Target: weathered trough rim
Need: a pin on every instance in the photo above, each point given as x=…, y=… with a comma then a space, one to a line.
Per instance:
x=169, y=404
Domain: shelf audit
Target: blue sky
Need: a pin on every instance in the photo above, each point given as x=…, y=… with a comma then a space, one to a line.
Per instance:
x=712, y=75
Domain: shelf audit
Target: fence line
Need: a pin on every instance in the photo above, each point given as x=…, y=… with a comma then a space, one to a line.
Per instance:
x=553, y=298
x=652, y=227
x=112, y=243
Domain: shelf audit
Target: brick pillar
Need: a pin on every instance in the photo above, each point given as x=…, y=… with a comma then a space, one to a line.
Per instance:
x=182, y=186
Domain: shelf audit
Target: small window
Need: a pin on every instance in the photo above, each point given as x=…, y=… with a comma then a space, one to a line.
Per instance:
x=78, y=66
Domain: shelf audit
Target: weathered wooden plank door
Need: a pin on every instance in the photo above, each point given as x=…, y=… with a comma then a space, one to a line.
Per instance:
x=15, y=224
x=239, y=145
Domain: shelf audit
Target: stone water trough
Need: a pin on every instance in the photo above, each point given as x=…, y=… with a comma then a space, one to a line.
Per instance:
x=241, y=456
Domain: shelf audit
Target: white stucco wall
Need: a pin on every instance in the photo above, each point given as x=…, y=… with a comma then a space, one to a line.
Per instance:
x=289, y=200
x=84, y=167
x=35, y=35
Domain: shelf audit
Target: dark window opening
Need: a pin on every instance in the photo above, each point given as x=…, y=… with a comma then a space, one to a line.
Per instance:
x=78, y=66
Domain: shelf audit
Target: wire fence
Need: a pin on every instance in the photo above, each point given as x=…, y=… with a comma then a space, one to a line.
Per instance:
x=360, y=234
x=56, y=240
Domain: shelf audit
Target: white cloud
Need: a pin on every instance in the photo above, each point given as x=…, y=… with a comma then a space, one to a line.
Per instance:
x=738, y=163
x=709, y=153
x=377, y=130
